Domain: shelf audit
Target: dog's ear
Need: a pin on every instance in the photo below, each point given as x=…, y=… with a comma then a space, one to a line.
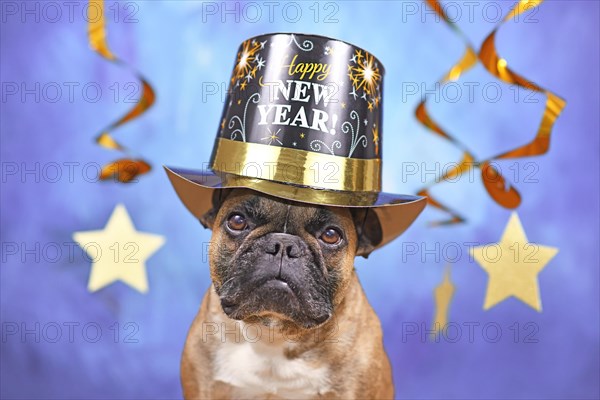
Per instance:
x=218, y=197
x=368, y=230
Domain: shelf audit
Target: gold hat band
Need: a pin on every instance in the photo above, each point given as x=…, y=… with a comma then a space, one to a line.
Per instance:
x=303, y=194
x=297, y=166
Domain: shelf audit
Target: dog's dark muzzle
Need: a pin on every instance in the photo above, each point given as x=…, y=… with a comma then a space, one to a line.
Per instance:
x=281, y=277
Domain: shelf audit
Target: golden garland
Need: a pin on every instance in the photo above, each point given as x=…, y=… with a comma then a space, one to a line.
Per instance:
x=493, y=180
x=128, y=168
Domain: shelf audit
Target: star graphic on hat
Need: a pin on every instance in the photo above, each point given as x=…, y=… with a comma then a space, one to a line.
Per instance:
x=273, y=137
x=260, y=62
x=375, y=131
x=359, y=54
x=513, y=266
x=118, y=252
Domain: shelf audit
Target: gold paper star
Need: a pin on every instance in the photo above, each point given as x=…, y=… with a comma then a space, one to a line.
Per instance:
x=513, y=266
x=443, y=296
x=118, y=252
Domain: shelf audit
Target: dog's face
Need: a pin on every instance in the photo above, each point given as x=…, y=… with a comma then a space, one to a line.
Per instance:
x=274, y=260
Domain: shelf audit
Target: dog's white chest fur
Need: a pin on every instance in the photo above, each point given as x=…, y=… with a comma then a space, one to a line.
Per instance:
x=261, y=369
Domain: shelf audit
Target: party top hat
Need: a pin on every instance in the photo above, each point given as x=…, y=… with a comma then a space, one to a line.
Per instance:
x=302, y=121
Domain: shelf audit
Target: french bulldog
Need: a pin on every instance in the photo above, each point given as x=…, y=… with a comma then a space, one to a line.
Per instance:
x=285, y=316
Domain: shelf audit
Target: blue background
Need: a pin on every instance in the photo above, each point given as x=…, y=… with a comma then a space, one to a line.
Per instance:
x=179, y=48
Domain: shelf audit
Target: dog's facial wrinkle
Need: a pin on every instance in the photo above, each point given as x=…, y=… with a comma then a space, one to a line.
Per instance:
x=287, y=215
x=254, y=210
x=319, y=217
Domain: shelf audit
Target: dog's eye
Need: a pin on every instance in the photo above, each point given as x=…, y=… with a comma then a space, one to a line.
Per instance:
x=331, y=236
x=237, y=222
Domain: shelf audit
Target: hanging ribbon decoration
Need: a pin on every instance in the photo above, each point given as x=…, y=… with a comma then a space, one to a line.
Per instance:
x=125, y=169
x=494, y=182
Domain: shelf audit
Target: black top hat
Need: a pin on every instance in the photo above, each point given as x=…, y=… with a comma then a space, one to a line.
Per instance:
x=302, y=121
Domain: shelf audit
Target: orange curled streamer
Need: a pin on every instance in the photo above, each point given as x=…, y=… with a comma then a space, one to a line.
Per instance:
x=497, y=187
x=125, y=169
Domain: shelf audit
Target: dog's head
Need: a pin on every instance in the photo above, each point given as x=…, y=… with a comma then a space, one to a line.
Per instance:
x=273, y=260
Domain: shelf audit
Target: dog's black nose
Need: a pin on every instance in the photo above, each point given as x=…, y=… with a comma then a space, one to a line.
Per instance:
x=284, y=245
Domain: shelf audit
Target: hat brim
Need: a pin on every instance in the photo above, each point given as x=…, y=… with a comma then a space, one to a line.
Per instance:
x=396, y=212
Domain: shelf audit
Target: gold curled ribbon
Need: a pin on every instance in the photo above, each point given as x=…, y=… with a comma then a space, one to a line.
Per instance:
x=502, y=193
x=125, y=169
